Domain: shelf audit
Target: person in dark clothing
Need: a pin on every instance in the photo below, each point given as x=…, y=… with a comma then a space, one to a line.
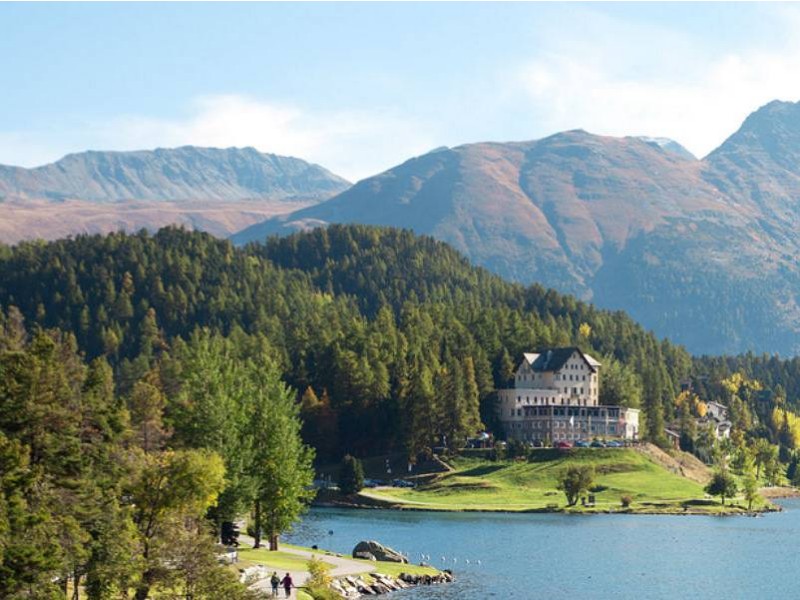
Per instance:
x=287, y=584
x=275, y=581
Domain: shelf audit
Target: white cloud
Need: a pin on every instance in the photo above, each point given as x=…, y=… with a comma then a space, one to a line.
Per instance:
x=685, y=94
x=353, y=144
x=590, y=69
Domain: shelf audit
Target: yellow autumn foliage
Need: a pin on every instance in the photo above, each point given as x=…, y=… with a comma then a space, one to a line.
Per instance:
x=739, y=382
x=786, y=418
x=701, y=409
x=692, y=402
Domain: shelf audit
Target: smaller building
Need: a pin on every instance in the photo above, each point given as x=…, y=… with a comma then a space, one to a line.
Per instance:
x=716, y=418
x=673, y=437
x=717, y=411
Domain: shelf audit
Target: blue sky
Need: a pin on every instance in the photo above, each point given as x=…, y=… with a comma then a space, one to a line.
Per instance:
x=360, y=87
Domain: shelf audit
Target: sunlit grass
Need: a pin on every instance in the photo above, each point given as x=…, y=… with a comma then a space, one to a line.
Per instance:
x=519, y=486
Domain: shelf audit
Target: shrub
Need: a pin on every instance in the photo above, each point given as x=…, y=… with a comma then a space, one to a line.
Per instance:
x=516, y=449
x=321, y=593
x=318, y=573
x=626, y=501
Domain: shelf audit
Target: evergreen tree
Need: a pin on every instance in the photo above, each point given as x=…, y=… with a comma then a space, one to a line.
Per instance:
x=351, y=475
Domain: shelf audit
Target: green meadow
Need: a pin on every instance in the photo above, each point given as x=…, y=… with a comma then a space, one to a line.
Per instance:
x=532, y=485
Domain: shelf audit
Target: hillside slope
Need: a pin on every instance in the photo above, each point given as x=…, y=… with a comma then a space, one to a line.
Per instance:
x=698, y=250
x=369, y=318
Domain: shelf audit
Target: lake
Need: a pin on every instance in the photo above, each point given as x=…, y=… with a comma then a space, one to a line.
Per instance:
x=572, y=556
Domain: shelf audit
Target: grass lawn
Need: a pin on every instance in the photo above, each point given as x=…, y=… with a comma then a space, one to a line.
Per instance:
x=282, y=561
x=287, y=561
x=519, y=486
x=394, y=569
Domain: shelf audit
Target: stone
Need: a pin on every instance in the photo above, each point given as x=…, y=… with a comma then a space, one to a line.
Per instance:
x=379, y=551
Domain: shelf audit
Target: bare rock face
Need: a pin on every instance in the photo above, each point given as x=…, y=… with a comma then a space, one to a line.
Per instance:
x=377, y=550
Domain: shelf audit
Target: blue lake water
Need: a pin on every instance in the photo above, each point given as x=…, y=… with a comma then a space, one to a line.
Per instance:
x=553, y=556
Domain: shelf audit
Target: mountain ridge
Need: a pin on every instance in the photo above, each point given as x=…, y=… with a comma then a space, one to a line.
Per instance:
x=698, y=250
x=171, y=174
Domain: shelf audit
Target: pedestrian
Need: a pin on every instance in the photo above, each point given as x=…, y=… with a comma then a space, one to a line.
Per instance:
x=287, y=584
x=275, y=581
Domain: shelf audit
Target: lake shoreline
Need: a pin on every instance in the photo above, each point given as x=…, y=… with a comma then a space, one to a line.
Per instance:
x=371, y=503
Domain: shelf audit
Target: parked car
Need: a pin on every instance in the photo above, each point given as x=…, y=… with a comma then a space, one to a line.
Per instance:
x=581, y=444
x=402, y=483
x=598, y=444
x=614, y=444
x=562, y=444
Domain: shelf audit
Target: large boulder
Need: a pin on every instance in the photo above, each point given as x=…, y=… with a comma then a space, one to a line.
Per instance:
x=379, y=551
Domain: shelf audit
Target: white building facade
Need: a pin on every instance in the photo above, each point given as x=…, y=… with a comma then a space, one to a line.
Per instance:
x=556, y=396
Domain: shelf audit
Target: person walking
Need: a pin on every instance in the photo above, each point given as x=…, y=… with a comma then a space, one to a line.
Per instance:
x=275, y=581
x=287, y=584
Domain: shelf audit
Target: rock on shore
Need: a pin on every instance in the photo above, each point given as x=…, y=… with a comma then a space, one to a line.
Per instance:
x=377, y=584
x=372, y=550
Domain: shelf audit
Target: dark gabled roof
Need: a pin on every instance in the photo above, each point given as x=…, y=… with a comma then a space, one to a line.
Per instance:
x=553, y=359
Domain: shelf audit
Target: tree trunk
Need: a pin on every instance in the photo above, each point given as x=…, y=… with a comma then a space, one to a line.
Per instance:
x=273, y=542
x=76, y=591
x=218, y=523
x=257, y=525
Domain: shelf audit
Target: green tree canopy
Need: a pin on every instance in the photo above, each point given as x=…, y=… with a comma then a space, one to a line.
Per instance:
x=576, y=480
x=351, y=475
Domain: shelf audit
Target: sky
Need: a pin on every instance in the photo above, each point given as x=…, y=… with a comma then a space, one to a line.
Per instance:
x=361, y=87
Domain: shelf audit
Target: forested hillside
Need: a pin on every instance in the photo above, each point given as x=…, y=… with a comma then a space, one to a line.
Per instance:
x=395, y=339
x=700, y=251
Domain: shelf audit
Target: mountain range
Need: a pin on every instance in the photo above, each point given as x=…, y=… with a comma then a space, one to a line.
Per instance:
x=218, y=190
x=701, y=251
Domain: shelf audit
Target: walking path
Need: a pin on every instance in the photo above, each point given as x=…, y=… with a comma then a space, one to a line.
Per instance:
x=341, y=566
